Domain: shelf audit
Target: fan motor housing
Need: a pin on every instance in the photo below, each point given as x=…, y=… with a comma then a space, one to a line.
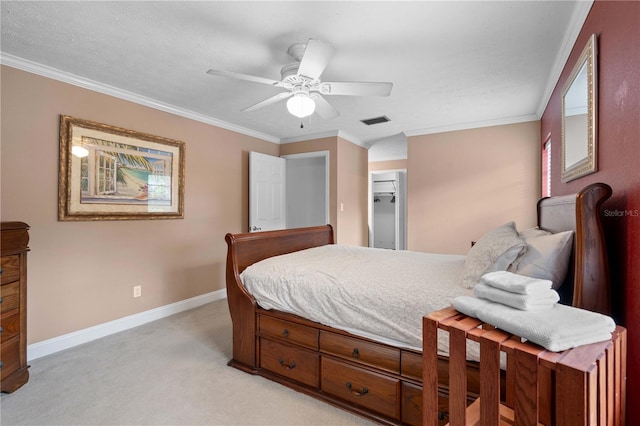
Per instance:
x=289, y=76
x=296, y=51
x=289, y=70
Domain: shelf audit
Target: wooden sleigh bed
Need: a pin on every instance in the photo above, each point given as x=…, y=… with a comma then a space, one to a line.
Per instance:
x=377, y=380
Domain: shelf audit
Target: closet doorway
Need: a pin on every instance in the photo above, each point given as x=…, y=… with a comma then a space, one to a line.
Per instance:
x=388, y=209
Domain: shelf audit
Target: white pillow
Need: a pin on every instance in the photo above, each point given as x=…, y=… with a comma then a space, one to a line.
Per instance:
x=547, y=257
x=495, y=251
x=533, y=232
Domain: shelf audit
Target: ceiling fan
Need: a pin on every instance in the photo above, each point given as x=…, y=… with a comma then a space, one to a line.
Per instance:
x=304, y=89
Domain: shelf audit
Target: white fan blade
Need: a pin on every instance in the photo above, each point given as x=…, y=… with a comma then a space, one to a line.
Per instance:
x=244, y=77
x=269, y=101
x=323, y=108
x=355, y=88
x=315, y=59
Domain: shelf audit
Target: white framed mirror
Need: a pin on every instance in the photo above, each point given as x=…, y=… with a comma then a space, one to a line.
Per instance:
x=579, y=116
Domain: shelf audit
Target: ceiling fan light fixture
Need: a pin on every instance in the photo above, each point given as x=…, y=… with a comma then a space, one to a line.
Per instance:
x=301, y=105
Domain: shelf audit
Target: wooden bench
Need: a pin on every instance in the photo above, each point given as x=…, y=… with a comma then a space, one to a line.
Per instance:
x=580, y=386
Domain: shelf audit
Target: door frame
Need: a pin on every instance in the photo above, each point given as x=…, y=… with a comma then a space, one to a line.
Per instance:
x=401, y=208
x=327, y=164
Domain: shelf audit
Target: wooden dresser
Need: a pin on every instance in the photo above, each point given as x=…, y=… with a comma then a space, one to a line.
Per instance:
x=13, y=305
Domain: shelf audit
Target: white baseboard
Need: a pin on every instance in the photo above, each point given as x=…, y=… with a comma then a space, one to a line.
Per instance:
x=66, y=341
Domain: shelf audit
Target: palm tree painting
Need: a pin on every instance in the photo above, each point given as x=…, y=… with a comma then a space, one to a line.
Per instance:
x=115, y=172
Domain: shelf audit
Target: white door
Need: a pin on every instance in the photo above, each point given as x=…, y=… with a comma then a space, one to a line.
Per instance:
x=267, y=203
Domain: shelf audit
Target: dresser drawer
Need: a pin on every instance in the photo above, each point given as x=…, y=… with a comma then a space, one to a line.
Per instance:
x=14, y=239
x=288, y=331
x=379, y=356
x=9, y=326
x=412, y=406
x=9, y=357
x=362, y=387
x=10, y=268
x=294, y=363
x=411, y=365
x=10, y=296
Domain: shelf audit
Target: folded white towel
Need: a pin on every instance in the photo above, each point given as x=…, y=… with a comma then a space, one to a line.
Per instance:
x=515, y=283
x=538, y=301
x=557, y=329
x=468, y=305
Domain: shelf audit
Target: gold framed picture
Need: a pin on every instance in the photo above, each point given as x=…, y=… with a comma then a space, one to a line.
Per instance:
x=110, y=173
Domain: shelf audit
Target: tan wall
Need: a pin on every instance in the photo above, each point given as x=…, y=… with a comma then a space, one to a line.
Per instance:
x=81, y=273
x=463, y=183
x=387, y=165
x=352, y=194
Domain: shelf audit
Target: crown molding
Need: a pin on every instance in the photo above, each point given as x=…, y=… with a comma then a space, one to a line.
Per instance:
x=396, y=157
x=310, y=136
x=95, y=86
x=320, y=135
x=574, y=27
x=472, y=125
x=350, y=138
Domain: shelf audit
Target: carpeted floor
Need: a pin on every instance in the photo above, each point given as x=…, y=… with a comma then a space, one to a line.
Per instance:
x=169, y=372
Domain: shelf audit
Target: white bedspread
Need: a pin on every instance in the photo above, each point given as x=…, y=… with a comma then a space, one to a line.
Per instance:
x=375, y=293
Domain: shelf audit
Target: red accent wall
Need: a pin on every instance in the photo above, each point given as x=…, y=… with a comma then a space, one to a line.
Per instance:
x=617, y=25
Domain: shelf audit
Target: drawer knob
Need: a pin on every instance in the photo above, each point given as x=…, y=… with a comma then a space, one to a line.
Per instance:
x=362, y=392
x=355, y=353
x=285, y=333
x=290, y=366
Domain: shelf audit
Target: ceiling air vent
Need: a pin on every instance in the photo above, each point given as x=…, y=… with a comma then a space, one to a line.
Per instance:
x=376, y=120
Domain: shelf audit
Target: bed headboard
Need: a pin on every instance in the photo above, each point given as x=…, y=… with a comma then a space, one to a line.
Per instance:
x=587, y=285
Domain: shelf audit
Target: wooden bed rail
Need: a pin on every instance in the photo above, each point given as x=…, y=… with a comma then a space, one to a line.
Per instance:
x=580, y=386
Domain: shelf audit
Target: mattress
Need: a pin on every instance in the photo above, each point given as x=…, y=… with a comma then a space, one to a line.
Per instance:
x=374, y=293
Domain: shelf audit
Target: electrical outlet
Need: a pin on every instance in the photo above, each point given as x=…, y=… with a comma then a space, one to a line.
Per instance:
x=137, y=291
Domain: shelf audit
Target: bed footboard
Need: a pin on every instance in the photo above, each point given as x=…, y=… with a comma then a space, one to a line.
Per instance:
x=244, y=250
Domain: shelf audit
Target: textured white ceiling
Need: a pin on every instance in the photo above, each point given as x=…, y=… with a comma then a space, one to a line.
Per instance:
x=454, y=64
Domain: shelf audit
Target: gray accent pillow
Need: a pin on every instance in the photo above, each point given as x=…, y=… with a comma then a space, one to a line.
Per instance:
x=495, y=251
x=533, y=232
x=547, y=257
